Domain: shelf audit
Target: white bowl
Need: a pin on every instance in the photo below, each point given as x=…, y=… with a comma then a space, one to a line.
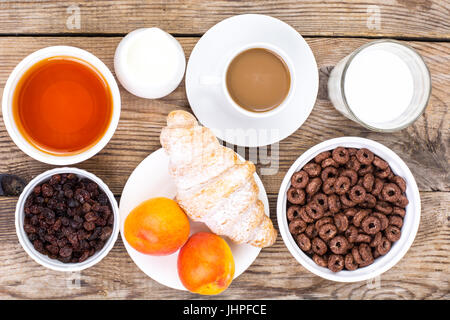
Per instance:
x=53, y=263
x=136, y=84
x=8, y=94
x=410, y=222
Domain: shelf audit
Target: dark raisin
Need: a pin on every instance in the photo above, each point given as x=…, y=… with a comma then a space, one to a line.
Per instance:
x=106, y=233
x=95, y=234
x=55, y=179
x=102, y=199
x=65, y=252
x=47, y=190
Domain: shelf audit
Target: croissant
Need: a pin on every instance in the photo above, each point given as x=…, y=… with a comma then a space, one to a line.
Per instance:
x=213, y=185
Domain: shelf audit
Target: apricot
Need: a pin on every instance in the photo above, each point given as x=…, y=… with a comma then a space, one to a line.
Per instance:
x=206, y=264
x=157, y=226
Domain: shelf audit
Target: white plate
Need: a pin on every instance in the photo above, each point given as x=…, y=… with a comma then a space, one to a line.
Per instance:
x=151, y=179
x=209, y=58
x=410, y=221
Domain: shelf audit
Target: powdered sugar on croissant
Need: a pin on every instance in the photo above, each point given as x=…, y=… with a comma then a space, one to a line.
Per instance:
x=213, y=185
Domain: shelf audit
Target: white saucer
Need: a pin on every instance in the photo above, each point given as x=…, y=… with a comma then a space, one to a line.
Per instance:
x=151, y=179
x=208, y=60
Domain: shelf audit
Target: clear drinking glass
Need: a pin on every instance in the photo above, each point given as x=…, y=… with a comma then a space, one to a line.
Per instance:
x=421, y=81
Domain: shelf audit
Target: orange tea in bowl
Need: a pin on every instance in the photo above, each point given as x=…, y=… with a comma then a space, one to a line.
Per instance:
x=62, y=105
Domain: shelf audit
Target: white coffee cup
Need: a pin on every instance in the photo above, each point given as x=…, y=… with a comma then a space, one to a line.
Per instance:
x=8, y=94
x=220, y=80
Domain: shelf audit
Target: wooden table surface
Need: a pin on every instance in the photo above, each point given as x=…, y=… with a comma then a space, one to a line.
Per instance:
x=333, y=29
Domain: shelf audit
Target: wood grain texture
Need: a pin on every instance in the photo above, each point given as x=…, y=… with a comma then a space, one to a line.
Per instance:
x=424, y=146
x=423, y=273
x=397, y=18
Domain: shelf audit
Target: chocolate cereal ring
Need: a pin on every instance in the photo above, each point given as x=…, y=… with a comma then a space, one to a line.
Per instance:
x=335, y=262
x=297, y=226
x=353, y=164
x=376, y=240
x=379, y=163
x=392, y=233
x=399, y=211
x=339, y=245
x=377, y=187
x=322, y=156
x=351, y=174
x=400, y=182
x=383, y=207
x=345, y=201
x=320, y=260
x=300, y=179
x=395, y=221
x=391, y=192
x=313, y=186
x=340, y=155
x=359, y=216
x=296, y=196
x=349, y=262
x=367, y=263
x=352, y=151
x=310, y=231
x=303, y=242
x=368, y=182
x=384, y=246
x=304, y=216
x=369, y=201
x=356, y=256
x=328, y=186
x=313, y=169
x=383, y=174
x=322, y=200
x=341, y=222
x=402, y=202
x=363, y=238
x=314, y=210
x=365, y=169
x=351, y=233
x=342, y=185
x=327, y=231
x=357, y=194
x=334, y=204
x=328, y=172
x=322, y=221
x=391, y=175
x=350, y=212
x=365, y=156
x=365, y=252
x=319, y=246
x=293, y=212
x=371, y=225
x=366, y=255
x=383, y=220
x=329, y=162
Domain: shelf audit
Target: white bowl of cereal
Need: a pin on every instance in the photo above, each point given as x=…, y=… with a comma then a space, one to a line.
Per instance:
x=344, y=227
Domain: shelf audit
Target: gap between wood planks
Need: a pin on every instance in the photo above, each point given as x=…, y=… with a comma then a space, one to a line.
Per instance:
x=198, y=35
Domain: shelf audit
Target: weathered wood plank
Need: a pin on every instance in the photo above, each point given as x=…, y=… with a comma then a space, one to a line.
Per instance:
x=423, y=273
x=423, y=146
x=391, y=18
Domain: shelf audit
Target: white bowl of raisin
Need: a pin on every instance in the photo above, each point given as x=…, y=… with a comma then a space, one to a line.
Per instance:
x=67, y=219
x=348, y=209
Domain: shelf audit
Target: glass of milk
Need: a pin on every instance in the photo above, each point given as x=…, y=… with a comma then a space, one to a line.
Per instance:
x=383, y=85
